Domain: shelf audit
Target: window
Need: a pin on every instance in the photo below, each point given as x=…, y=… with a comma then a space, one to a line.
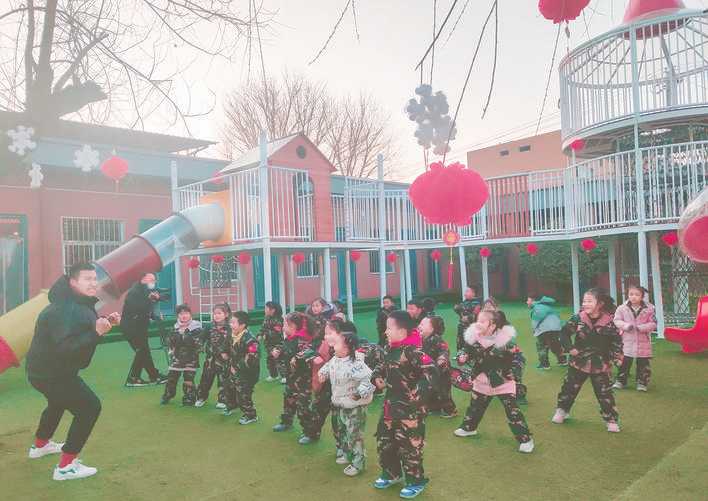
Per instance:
x=88, y=239
x=310, y=267
x=304, y=190
x=504, y=153
x=526, y=147
x=374, y=263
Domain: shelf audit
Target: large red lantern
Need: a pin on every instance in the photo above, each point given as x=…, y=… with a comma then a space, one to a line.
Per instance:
x=435, y=255
x=670, y=239
x=298, y=258
x=391, y=257
x=355, y=255
x=532, y=249
x=193, y=263
x=448, y=195
x=485, y=252
x=588, y=244
x=560, y=11
x=115, y=168
x=244, y=258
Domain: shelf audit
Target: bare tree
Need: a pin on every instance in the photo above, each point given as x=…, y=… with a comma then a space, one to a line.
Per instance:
x=350, y=131
x=115, y=59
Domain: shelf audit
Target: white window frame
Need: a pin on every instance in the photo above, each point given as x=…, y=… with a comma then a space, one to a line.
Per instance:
x=94, y=249
x=310, y=268
x=374, y=259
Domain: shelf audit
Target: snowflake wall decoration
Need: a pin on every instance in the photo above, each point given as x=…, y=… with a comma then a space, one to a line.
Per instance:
x=86, y=158
x=21, y=139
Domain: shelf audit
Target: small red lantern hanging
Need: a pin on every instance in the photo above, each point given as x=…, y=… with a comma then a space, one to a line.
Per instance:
x=193, y=263
x=218, y=258
x=391, y=257
x=114, y=168
x=435, y=255
x=588, y=244
x=670, y=239
x=532, y=249
x=577, y=145
x=244, y=258
x=298, y=258
x=560, y=11
x=355, y=255
x=485, y=252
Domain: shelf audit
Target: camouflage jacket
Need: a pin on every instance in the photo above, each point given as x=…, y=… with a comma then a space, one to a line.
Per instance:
x=271, y=333
x=381, y=317
x=244, y=357
x=374, y=355
x=598, y=342
x=436, y=348
x=468, y=310
x=491, y=355
x=216, y=344
x=410, y=375
x=184, y=347
x=298, y=353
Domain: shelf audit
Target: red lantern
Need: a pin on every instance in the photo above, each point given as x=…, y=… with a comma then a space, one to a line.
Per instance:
x=577, y=145
x=391, y=257
x=115, y=168
x=193, y=263
x=355, y=255
x=218, y=258
x=244, y=258
x=588, y=244
x=670, y=238
x=485, y=252
x=560, y=11
x=298, y=258
x=448, y=195
x=436, y=255
x=532, y=249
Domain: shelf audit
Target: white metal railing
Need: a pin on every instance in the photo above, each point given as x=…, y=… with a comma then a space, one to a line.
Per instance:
x=547, y=201
x=291, y=198
x=665, y=61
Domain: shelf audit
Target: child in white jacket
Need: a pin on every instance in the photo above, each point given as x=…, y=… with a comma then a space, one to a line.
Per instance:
x=352, y=392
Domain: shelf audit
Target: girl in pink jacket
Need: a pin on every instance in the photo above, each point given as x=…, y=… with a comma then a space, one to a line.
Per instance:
x=636, y=321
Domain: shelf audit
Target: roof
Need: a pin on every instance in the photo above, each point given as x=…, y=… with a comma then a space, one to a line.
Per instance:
x=107, y=135
x=252, y=157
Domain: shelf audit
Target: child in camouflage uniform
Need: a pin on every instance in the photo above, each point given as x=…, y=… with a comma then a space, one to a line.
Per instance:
x=408, y=375
x=244, y=369
x=352, y=392
x=432, y=330
x=271, y=335
x=297, y=356
x=489, y=350
x=387, y=307
x=184, y=345
x=594, y=344
x=217, y=355
x=320, y=312
x=467, y=310
x=415, y=309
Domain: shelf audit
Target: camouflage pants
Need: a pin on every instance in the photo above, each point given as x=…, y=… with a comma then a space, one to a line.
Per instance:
x=321, y=407
x=600, y=384
x=514, y=416
x=210, y=372
x=349, y=426
x=643, y=370
x=297, y=399
x=400, y=446
x=441, y=397
x=189, y=392
x=239, y=394
x=517, y=369
x=549, y=341
x=461, y=328
x=276, y=368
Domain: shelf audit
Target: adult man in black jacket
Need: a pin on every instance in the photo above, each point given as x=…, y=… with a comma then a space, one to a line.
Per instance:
x=138, y=309
x=65, y=338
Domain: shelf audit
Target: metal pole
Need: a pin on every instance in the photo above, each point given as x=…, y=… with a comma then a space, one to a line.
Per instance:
x=348, y=280
x=382, y=228
x=612, y=268
x=242, y=287
x=174, y=183
x=402, y=281
x=463, y=270
x=485, y=278
x=656, y=283
x=291, y=284
x=407, y=269
x=327, y=275
x=281, y=277
x=265, y=216
x=575, y=274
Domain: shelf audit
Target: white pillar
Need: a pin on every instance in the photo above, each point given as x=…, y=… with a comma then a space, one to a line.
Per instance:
x=281, y=281
x=382, y=228
x=463, y=270
x=265, y=215
x=485, y=278
x=402, y=281
x=174, y=183
x=612, y=268
x=291, y=284
x=656, y=283
x=407, y=270
x=575, y=274
x=243, y=292
x=327, y=274
x=348, y=280
x=318, y=257
x=642, y=252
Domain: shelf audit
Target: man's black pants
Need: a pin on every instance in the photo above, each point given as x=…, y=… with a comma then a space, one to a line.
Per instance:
x=73, y=395
x=143, y=358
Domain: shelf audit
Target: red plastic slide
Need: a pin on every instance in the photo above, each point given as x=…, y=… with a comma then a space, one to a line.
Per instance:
x=695, y=339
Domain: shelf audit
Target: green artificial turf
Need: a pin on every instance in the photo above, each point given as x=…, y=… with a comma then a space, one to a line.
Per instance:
x=147, y=451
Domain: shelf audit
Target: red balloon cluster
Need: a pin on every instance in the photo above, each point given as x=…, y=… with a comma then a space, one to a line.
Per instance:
x=218, y=258
x=298, y=258
x=355, y=255
x=588, y=244
x=670, y=239
x=115, y=168
x=560, y=11
x=448, y=195
x=244, y=258
x=435, y=255
x=485, y=252
x=532, y=249
x=193, y=263
x=391, y=257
